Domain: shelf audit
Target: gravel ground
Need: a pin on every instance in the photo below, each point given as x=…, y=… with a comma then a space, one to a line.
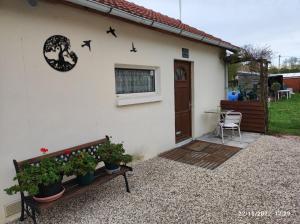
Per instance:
x=260, y=184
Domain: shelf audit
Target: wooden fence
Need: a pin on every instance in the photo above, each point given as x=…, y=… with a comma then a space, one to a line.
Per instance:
x=253, y=114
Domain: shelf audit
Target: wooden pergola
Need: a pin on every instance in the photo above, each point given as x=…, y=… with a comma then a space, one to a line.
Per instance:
x=260, y=62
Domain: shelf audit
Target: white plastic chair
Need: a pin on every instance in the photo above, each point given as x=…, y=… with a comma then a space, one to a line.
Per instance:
x=291, y=91
x=232, y=121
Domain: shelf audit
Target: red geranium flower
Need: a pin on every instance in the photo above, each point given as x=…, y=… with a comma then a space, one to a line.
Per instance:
x=67, y=152
x=44, y=150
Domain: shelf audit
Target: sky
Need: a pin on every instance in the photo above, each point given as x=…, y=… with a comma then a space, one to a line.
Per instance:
x=270, y=23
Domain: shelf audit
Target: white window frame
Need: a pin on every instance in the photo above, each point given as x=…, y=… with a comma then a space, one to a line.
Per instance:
x=139, y=98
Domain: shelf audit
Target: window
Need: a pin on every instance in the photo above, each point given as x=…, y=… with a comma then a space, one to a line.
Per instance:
x=137, y=84
x=180, y=74
x=134, y=80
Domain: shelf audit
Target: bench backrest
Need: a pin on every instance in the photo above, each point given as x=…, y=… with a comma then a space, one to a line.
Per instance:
x=90, y=148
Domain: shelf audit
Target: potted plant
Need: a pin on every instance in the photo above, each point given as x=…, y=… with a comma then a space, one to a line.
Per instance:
x=82, y=165
x=275, y=87
x=42, y=180
x=113, y=155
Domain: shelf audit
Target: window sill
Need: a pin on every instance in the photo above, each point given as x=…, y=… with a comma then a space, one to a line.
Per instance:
x=124, y=101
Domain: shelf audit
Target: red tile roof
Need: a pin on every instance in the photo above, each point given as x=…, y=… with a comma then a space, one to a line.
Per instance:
x=157, y=17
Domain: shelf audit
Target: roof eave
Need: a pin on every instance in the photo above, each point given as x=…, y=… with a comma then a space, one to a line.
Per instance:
x=151, y=23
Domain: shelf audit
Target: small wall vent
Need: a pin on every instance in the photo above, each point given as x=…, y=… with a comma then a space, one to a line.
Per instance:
x=12, y=209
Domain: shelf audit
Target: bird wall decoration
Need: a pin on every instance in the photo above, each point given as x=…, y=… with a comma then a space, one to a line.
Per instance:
x=112, y=31
x=87, y=43
x=133, y=49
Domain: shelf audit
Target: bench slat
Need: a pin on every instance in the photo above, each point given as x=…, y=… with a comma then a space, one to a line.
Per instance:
x=59, y=153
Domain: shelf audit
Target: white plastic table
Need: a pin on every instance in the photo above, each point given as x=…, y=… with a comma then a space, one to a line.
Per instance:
x=287, y=91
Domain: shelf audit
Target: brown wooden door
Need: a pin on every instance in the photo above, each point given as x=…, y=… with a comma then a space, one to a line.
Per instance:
x=183, y=121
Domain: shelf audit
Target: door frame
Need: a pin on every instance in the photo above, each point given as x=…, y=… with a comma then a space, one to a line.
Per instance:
x=191, y=65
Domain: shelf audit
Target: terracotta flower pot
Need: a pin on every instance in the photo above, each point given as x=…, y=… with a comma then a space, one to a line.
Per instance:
x=50, y=198
x=50, y=192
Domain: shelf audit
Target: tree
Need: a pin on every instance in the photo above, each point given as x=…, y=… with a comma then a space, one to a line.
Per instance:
x=232, y=70
x=254, y=55
x=286, y=68
x=273, y=70
x=293, y=62
x=275, y=87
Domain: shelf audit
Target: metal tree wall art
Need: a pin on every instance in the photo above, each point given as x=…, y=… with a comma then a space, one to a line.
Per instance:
x=112, y=31
x=87, y=43
x=58, y=55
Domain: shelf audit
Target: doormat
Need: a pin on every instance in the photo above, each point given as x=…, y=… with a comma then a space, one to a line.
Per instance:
x=203, y=154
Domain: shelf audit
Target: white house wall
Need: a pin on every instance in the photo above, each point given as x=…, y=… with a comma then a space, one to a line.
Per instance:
x=41, y=107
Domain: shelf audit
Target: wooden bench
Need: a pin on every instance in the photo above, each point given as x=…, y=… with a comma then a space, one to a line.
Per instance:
x=72, y=189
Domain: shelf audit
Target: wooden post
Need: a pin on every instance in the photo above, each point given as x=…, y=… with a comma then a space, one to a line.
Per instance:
x=263, y=64
x=266, y=65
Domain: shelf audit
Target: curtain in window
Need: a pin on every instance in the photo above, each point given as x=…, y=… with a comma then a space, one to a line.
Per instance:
x=134, y=80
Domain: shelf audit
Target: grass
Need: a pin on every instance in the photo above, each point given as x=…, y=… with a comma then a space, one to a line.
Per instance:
x=284, y=116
